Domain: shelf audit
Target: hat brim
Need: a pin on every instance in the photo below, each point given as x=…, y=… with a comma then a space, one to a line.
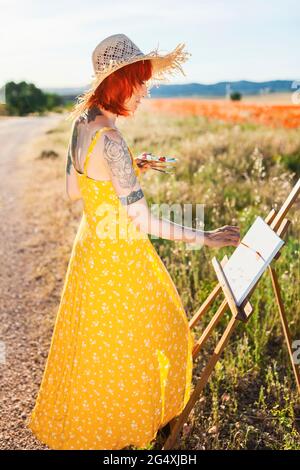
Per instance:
x=163, y=65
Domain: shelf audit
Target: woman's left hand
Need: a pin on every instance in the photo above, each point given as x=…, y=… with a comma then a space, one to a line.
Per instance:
x=143, y=165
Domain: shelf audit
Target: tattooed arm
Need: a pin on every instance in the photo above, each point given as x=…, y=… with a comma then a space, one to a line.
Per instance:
x=117, y=159
x=72, y=188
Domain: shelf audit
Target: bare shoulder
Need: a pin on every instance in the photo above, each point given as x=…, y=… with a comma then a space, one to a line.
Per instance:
x=113, y=146
x=80, y=128
x=113, y=134
x=84, y=123
x=78, y=122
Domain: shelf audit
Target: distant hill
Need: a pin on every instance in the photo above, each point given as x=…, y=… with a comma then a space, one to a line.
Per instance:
x=219, y=89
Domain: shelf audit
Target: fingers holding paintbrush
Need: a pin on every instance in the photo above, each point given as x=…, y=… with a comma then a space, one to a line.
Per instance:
x=148, y=161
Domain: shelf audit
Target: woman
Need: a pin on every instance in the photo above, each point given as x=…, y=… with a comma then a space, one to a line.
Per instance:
x=119, y=366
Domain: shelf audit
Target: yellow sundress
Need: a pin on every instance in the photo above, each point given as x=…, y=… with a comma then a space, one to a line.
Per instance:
x=119, y=366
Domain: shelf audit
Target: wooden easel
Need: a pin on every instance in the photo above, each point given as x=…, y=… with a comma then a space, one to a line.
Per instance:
x=279, y=224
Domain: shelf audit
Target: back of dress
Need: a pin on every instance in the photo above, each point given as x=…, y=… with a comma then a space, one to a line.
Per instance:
x=105, y=220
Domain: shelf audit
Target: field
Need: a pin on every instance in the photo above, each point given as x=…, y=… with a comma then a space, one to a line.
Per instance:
x=272, y=112
x=239, y=170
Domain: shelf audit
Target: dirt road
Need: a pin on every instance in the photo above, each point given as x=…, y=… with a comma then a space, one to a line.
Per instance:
x=19, y=361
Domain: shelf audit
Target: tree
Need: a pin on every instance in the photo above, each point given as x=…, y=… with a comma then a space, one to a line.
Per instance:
x=23, y=98
x=235, y=96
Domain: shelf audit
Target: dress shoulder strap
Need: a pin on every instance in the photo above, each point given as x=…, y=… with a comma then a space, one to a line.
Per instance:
x=92, y=145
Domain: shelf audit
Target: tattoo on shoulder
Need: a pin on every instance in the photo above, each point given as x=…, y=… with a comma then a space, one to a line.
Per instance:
x=73, y=144
x=119, y=160
x=92, y=113
x=69, y=161
x=74, y=139
x=132, y=197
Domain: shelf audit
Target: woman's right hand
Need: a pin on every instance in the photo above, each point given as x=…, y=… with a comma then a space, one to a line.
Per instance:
x=228, y=235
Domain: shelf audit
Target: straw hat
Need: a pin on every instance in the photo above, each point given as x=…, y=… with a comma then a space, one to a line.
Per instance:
x=118, y=50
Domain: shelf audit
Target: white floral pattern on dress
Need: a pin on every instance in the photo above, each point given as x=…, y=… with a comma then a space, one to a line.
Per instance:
x=120, y=361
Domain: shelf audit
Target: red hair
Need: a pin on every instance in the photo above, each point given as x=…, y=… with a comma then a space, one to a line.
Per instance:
x=120, y=86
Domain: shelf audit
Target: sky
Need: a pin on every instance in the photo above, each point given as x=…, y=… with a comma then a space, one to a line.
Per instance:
x=50, y=43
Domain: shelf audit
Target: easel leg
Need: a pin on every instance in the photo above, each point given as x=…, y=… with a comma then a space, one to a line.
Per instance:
x=284, y=323
x=212, y=324
x=200, y=385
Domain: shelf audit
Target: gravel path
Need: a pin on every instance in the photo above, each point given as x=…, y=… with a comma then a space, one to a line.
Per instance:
x=20, y=310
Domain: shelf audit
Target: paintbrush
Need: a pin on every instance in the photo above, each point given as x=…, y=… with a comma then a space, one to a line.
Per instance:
x=158, y=163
